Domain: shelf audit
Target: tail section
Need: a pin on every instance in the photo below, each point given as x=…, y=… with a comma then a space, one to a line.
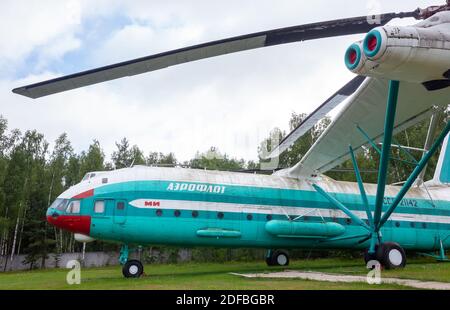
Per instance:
x=442, y=173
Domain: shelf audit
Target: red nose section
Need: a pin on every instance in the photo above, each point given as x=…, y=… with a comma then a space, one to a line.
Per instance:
x=74, y=223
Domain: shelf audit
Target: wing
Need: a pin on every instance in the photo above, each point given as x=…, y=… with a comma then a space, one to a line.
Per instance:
x=212, y=49
x=317, y=115
x=363, y=115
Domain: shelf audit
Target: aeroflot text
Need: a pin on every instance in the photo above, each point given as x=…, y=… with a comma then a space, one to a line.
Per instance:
x=189, y=187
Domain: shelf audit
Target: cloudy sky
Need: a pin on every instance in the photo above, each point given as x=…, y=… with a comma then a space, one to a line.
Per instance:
x=231, y=102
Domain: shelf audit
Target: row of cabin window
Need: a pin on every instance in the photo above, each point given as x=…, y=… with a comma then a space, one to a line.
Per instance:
x=99, y=207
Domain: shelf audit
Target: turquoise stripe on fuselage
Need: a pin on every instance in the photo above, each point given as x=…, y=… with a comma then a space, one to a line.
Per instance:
x=263, y=196
x=143, y=225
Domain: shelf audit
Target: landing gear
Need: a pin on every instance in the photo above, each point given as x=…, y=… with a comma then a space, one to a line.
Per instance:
x=131, y=268
x=390, y=255
x=369, y=257
x=277, y=258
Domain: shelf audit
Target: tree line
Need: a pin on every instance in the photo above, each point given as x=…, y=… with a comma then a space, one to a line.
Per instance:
x=32, y=175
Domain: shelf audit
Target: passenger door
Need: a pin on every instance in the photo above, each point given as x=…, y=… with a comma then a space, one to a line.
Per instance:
x=120, y=212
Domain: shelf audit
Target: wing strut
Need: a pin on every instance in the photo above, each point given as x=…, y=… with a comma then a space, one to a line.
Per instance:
x=380, y=218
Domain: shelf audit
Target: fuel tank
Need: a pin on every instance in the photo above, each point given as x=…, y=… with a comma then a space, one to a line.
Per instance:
x=292, y=229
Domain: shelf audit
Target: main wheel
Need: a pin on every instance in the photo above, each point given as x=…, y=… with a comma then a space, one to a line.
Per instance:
x=132, y=269
x=391, y=255
x=280, y=258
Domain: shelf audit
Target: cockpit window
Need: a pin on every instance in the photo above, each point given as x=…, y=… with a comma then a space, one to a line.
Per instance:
x=74, y=207
x=88, y=176
x=59, y=204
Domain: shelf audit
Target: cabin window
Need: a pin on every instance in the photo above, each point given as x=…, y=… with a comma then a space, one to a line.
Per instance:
x=120, y=205
x=74, y=207
x=249, y=217
x=159, y=212
x=220, y=215
x=269, y=217
x=397, y=224
x=99, y=206
x=177, y=213
x=348, y=221
x=194, y=214
x=413, y=224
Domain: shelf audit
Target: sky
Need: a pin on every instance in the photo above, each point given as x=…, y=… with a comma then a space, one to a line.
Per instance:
x=231, y=102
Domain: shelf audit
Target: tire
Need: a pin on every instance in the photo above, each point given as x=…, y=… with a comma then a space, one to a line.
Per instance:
x=132, y=269
x=280, y=258
x=391, y=255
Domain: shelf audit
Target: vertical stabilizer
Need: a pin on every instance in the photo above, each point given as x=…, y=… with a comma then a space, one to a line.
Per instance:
x=442, y=173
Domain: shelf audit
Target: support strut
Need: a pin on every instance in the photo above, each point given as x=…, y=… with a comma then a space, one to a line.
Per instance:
x=386, y=149
x=123, y=258
x=412, y=178
x=361, y=188
x=379, y=219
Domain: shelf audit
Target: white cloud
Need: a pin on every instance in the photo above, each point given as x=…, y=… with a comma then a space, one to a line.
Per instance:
x=27, y=25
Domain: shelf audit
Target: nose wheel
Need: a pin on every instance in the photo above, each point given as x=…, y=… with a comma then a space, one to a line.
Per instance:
x=133, y=269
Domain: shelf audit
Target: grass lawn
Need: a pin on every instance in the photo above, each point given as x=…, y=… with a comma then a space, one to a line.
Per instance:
x=215, y=276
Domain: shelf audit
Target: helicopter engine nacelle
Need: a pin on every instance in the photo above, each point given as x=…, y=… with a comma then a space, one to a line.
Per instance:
x=419, y=53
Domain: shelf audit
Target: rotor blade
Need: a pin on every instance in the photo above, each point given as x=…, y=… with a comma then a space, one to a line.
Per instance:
x=317, y=115
x=319, y=30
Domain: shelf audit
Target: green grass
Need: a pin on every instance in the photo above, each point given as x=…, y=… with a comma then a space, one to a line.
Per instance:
x=215, y=276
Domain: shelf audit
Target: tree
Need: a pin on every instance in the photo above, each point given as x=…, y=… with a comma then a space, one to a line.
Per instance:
x=62, y=152
x=295, y=153
x=93, y=160
x=138, y=156
x=25, y=185
x=213, y=159
x=3, y=168
x=123, y=157
x=160, y=159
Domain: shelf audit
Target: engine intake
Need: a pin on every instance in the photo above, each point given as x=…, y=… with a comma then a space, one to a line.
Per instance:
x=417, y=54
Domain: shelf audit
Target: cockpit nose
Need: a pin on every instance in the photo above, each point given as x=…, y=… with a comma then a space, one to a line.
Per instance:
x=58, y=215
x=57, y=208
